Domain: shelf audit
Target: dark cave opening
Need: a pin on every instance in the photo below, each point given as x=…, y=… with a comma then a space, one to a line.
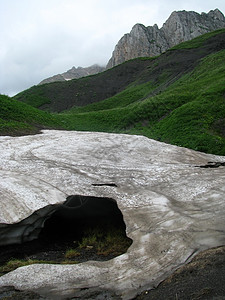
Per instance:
x=92, y=227
x=80, y=213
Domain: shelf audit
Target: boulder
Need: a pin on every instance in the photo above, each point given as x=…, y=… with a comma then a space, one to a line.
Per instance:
x=172, y=204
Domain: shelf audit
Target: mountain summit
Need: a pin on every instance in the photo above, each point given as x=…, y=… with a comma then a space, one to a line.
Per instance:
x=74, y=73
x=151, y=41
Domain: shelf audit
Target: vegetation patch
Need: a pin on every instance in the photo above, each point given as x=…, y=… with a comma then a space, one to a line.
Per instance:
x=71, y=253
x=16, y=263
x=111, y=242
x=95, y=244
x=20, y=118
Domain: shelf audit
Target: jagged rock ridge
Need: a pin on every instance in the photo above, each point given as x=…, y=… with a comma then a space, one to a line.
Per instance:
x=74, y=73
x=151, y=41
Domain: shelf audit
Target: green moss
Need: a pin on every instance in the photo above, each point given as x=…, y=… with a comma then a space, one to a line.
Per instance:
x=17, y=263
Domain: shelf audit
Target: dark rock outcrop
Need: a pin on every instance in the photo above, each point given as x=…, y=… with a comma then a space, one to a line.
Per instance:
x=151, y=41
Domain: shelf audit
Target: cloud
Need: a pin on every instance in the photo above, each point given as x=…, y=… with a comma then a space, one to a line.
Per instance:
x=41, y=38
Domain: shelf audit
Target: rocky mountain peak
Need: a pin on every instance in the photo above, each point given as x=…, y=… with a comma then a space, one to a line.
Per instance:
x=74, y=73
x=151, y=41
x=216, y=14
x=138, y=28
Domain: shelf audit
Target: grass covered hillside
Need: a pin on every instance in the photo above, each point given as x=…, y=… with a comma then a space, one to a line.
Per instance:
x=177, y=97
x=18, y=118
x=60, y=96
x=190, y=112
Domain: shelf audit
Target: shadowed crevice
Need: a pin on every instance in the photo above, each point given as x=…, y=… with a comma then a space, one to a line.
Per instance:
x=212, y=164
x=104, y=184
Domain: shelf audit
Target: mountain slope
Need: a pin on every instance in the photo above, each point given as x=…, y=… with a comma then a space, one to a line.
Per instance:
x=160, y=72
x=178, y=97
x=189, y=113
x=59, y=96
x=151, y=41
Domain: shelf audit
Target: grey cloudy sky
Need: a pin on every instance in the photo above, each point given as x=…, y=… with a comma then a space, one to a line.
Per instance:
x=41, y=38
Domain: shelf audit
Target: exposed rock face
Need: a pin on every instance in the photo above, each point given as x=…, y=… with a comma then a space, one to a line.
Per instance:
x=172, y=207
x=151, y=41
x=74, y=73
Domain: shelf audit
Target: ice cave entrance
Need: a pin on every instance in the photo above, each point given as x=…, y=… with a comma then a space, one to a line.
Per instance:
x=81, y=213
x=82, y=228
x=86, y=222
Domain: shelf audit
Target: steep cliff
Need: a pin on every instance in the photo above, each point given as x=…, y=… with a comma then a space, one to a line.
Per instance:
x=74, y=73
x=151, y=41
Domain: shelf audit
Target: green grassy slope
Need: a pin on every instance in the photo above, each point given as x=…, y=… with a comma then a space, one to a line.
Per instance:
x=59, y=96
x=18, y=118
x=190, y=112
x=198, y=122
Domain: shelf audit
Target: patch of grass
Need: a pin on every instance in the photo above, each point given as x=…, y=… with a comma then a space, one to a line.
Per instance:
x=16, y=116
x=189, y=126
x=191, y=123
x=11, y=126
x=13, y=264
x=106, y=241
x=91, y=237
x=17, y=263
x=71, y=253
x=69, y=262
x=114, y=241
